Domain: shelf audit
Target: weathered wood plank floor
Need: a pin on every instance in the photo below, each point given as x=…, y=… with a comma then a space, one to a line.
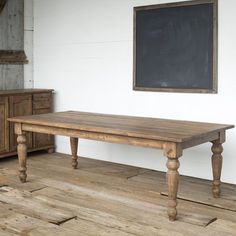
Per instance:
x=102, y=198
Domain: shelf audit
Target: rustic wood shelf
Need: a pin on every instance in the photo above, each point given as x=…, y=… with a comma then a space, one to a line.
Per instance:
x=13, y=57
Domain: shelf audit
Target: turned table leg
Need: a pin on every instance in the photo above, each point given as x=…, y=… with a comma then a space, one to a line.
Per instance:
x=22, y=156
x=172, y=176
x=74, y=148
x=216, y=159
x=173, y=151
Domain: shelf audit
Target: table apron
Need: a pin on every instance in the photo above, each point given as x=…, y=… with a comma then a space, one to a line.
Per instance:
x=200, y=140
x=113, y=138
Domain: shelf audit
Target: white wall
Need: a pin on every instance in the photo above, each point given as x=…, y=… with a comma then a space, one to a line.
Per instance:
x=83, y=49
x=28, y=42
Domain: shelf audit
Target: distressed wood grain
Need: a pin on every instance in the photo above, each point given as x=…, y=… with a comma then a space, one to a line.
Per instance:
x=170, y=135
x=103, y=206
x=12, y=38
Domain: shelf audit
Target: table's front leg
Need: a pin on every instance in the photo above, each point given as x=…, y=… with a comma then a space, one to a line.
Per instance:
x=22, y=152
x=217, y=149
x=74, y=150
x=172, y=151
x=172, y=176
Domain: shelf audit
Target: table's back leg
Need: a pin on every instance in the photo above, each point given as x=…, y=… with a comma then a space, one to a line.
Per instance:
x=217, y=149
x=74, y=149
x=22, y=156
x=173, y=152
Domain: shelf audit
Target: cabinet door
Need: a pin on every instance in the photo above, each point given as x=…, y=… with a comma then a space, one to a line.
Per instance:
x=4, y=125
x=20, y=105
x=42, y=140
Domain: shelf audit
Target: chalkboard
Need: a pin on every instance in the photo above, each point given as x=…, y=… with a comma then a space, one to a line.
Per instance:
x=175, y=47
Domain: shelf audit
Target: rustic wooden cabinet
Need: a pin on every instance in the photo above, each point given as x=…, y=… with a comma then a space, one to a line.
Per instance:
x=20, y=103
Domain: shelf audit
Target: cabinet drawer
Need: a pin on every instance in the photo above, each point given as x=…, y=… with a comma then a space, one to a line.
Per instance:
x=42, y=101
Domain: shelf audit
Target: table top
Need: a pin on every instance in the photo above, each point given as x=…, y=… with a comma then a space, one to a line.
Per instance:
x=139, y=127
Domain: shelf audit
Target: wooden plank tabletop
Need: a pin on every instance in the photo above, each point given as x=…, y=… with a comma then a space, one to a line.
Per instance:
x=141, y=127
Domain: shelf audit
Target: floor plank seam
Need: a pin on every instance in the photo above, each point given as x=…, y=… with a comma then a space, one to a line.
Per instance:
x=64, y=221
x=5, y=203
x=138, y=174
x=202, y=203
x=38, y=189
x=210, y=222
x=3, y=185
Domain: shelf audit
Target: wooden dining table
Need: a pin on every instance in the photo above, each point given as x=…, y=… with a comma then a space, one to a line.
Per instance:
x=172, y=136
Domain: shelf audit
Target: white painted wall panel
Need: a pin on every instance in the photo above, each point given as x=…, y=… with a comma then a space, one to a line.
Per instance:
x=28, y=43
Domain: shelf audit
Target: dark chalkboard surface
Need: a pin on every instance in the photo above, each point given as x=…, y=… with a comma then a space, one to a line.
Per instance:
x=175, y=47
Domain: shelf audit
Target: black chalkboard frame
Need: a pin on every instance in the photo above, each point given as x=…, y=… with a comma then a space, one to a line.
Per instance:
x=214, y=78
